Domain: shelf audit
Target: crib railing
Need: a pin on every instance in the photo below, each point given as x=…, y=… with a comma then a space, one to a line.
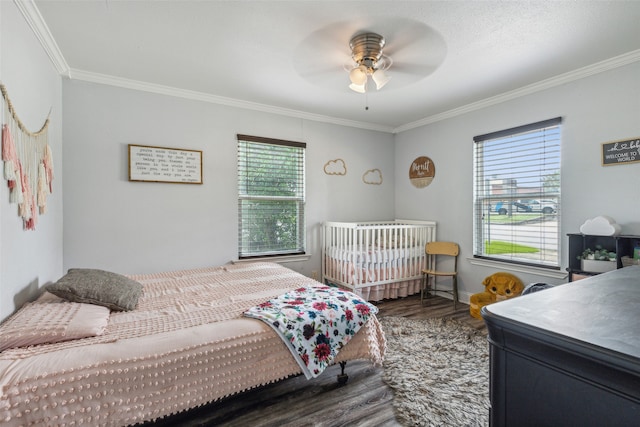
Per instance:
x=365, y=254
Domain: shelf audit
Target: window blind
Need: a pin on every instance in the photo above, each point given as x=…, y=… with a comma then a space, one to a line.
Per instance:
x=517, y=194
x=271, y=197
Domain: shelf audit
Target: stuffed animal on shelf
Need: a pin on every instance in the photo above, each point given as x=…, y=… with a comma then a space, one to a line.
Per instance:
x=497, y=287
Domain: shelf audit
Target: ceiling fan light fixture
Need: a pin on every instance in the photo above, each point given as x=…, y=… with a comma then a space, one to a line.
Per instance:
x=366, y=52
x=380, y=78
x=358, y=75
x=358, y=88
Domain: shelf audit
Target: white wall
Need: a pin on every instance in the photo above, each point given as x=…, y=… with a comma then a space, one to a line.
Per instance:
x=597, y=109
x=29, y=259
x=133, y=227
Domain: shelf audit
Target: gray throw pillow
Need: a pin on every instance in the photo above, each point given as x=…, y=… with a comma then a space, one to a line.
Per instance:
x=99, y=287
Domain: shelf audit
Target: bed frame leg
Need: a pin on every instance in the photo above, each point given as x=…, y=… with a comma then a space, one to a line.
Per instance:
x=342, y=377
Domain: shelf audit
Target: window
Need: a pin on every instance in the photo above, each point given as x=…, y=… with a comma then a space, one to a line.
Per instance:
x=517, y=195
x=270, y=197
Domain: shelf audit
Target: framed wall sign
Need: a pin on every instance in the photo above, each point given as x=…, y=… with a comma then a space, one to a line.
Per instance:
x=421, y=172
x=621, y=152
x=161, y=164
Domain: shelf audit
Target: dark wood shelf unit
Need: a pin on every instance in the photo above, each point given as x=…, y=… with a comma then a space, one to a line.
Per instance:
x=622, y=245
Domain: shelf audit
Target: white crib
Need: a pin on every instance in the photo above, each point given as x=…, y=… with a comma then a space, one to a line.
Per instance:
x=377, y=260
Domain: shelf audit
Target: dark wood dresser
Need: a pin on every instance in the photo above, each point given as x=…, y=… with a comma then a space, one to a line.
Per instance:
x=568, y=356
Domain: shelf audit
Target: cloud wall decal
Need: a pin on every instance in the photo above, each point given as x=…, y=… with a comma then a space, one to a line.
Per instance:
x=372, y=176
x=335, y=167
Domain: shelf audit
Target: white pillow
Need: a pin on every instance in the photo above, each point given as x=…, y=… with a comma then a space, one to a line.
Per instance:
x=51, y=319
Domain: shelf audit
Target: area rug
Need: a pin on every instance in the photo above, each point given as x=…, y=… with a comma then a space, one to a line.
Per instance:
x=438, y=370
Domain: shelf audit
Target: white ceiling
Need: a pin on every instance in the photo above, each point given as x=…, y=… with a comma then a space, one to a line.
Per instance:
x=288, y=56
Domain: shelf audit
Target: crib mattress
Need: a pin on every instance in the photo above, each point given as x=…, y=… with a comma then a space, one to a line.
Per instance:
x=372, y=254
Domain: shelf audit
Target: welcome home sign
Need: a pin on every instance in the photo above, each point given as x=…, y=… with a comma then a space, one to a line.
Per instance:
x=621, y=152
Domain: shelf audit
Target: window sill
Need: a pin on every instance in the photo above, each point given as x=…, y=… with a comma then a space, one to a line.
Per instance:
x=539, y=271
x=278, y=259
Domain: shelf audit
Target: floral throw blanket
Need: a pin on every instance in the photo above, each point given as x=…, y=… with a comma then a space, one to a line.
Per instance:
x=316, y=322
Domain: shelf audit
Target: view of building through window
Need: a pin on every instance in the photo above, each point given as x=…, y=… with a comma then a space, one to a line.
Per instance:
x=517, y=194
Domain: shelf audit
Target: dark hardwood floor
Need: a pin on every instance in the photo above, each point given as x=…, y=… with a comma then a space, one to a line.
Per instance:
x=364, y=401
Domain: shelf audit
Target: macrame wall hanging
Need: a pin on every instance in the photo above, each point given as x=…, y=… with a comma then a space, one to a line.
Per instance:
x=28, y=165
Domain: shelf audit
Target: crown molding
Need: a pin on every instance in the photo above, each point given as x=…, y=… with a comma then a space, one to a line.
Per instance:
x=214, y=99
x=34, y=19
x=39, y=27
x=599, y=67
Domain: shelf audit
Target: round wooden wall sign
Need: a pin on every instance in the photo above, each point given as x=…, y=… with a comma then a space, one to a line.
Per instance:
x=422, y=172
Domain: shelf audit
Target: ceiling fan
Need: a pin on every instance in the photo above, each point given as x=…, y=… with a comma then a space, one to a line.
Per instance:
x=366, y=52
x=345, y=54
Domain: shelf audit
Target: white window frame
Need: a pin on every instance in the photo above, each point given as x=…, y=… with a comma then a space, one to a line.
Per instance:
x=511, y=168
x=269, y=156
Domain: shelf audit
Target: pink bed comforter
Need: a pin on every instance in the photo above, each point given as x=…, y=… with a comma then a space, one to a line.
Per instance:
x=185, y=345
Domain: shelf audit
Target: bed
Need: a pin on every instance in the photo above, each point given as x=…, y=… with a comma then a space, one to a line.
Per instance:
x=376, y=260
x=186, y=343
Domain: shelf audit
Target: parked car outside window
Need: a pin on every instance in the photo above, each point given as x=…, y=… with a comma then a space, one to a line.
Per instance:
x=544, y=206
x=529, y=205
x=503, y=207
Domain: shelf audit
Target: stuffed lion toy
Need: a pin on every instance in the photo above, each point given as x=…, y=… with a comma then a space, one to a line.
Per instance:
x=497, y=287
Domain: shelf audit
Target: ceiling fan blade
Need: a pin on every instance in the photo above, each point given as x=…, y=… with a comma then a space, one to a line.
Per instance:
x=324, y=53
x=420, y=69
x=324, y=57
x=414, y=47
